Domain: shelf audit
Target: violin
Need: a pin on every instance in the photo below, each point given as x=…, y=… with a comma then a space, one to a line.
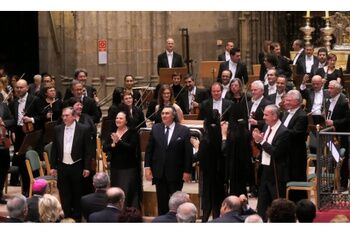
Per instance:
x=194, y=110
x=5, y=141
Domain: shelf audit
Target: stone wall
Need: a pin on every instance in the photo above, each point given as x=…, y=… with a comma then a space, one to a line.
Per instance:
x=69, y=39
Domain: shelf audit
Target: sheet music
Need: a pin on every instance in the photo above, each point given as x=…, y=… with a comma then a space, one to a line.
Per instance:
x=333, y=150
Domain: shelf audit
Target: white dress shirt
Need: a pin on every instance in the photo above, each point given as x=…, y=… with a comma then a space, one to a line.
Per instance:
x=278, y=99
x=191, y=95
x=170, y=58
x=291, y=113
x=225, y=90
x=309, y=61
x=217, y=104
x=297, y=56
x=266, y=158
x=21, y=106
x=68, y=143
x=256, y=104
x=318, y=101
x=333, y=101
x=171, y=131
x=233, y=67
x=272, y=89
x=227, y=56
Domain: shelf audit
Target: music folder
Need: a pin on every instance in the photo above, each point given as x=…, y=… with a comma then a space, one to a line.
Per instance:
x=30, y=141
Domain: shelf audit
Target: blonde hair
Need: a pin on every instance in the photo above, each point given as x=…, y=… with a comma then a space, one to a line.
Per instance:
x=50, y=209
x=340, y=218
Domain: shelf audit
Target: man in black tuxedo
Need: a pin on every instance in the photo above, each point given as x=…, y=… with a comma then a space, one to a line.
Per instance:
x=270, y=88
x=169, y=59
x=296, y=121
x=238, y=69
x=281, y=85
x=283, y=63
x=168, y=158
x=307, y=62
x=298, y=46
x=81, y=75
x=215, y=102
x=175, y=201
x=322, y=54
x=89, y=104
x=338, y=116
x=71, y=157
x=225, y=56
x=25, y=109
x=192, y=96
x=115, y=198
x=315, y=98
x=96, y=201
x=274, y=144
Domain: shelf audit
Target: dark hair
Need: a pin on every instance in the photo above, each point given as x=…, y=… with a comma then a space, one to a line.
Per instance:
x=71, y=101
x=281, y=210
x=176, y=74
x=130, y=214
x=176, y=118
x=189, y=76
x=272, y=59
x=228, y=71
x=78, y=71
x=126, y=113
x=233, y=51
x=305, y=210
x=161, y=90
x=322, y=50
x=216, y=84
x=128, y=75
x=331, y=55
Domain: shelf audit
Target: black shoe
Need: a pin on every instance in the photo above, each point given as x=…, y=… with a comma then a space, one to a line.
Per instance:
x=3, y=201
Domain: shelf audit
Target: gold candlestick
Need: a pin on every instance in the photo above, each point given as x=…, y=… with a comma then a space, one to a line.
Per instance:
x=307, y=29
x=327, y=33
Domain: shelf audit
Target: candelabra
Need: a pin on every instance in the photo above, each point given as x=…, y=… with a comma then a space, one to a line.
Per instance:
x=327, y=33
x=307, y=29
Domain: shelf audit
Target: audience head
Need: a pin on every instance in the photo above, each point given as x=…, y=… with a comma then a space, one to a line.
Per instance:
x=67, y=220
x=254, y=218
x=17, y=207
x=305, y=211
x=340, y=218
x=177, y=199
x=50, y=209
x=39, y=187
x=130, y=214
x=186, y=213
x=101, y=180
x=116, y=197
x=230, y=203
x=281, y=210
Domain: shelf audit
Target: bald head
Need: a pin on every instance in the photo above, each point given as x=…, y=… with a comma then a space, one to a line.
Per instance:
x=116, y=197
x=21, y=88
x=317, y=83
x=231, y=203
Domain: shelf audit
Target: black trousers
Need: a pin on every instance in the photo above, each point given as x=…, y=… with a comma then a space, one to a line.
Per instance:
x=4, y=167
x=70, y=186
x=165, y=189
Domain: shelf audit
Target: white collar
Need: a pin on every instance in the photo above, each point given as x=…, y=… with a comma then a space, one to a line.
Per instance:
x=335, y=98
x=293, y=111
x=72, y=126
x=258, y=100
x=24, y=98
x=217, y=101
x=169, y=53
x=275, y=126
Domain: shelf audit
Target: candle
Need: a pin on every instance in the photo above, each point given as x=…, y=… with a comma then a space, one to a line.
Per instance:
x=327, y=14
x=307, y=13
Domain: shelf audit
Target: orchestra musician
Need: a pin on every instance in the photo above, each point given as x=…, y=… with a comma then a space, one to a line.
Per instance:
x=81, y=75
x=281, y=85
x=330, y=72
x=51, y=106
x=271, y=87
x=315, y=98
x=192, y=96
x=128, y=86
x=256, y=113
x=26, y=110
x=226, y=76
x=296, y=121
x=338, y=116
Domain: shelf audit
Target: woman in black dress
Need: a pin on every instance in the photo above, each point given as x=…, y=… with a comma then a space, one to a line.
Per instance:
x=329, y=72
x=125, y=166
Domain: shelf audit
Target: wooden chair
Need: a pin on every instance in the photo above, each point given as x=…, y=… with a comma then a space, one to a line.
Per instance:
x=256, y=69
x=144, y=134
x=34, y=167
x=190, y=116
x=47, y=156
x=98, y=153
x=12, y=169
x=309, y=185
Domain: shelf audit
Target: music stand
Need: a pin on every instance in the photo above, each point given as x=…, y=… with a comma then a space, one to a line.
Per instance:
x=30, y=140
x=166, y=74
x=208, y=72
x=49, y=131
